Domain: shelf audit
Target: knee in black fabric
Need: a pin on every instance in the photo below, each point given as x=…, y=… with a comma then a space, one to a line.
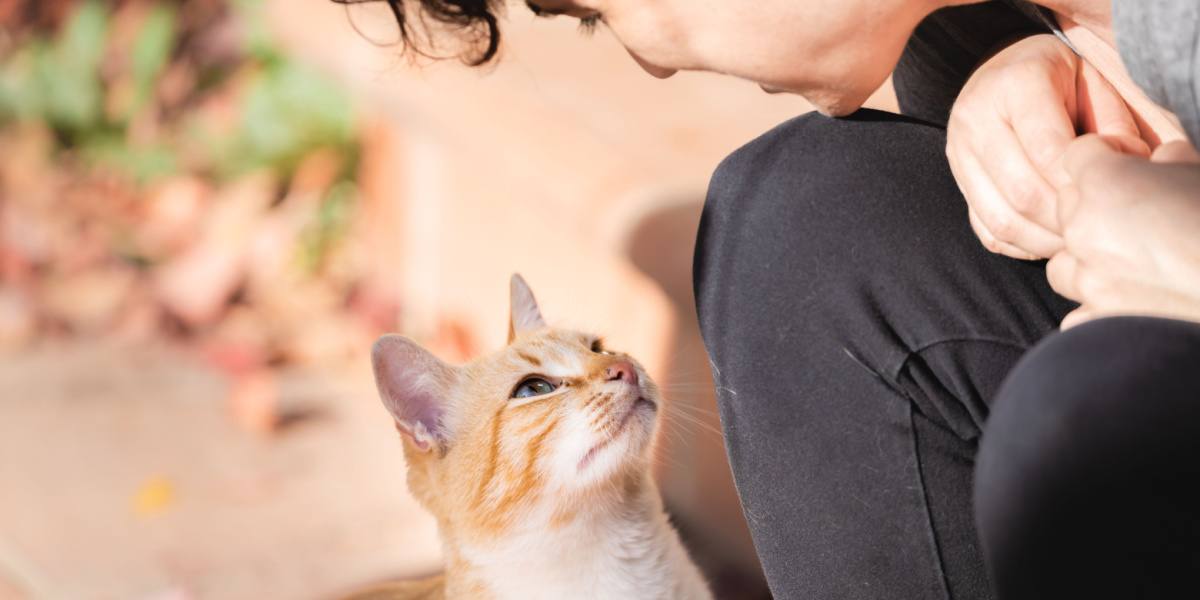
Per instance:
x=830, y=250
x=850, y=236
x=1080, y=479
x=833, y=233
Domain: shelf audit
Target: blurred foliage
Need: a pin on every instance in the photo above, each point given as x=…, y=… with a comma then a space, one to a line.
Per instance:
x=171, y=171
x=331, y=222
x=288, y=111
x=57, y=80
x=68, y=81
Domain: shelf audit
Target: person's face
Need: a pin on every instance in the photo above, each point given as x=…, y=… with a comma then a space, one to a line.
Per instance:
x=833, y=52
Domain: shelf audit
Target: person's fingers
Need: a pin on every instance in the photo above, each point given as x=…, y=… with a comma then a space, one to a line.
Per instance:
x=1044, y=129
x=1062, y=272
x=993, y=245
x=1176, y=152
x=1018, y=180
x=1004, y=223
x=1103, y=111
x=1129, y=145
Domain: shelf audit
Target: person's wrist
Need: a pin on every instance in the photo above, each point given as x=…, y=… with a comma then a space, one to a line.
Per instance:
x=1007, y=43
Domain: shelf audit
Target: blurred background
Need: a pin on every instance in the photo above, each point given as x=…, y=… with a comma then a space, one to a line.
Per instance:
x=210, y=208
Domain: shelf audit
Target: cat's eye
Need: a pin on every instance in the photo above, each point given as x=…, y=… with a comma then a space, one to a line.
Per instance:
x=534, y=386
x=598, y=347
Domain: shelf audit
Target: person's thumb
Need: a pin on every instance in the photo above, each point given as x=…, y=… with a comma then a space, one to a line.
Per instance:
x=1176, y=152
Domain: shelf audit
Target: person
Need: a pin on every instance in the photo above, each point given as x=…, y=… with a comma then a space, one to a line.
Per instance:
x=903, y=417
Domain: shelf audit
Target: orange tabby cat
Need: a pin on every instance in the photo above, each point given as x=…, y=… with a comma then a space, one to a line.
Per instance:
x=536, y=462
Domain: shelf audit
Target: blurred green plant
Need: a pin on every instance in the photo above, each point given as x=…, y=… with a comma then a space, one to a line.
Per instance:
x=58, y=81
x=286, y=110
x=151, y=53
x=329, y=224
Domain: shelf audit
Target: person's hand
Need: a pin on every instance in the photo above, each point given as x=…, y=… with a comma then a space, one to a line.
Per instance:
x=1131, y=228
x=1007, y=134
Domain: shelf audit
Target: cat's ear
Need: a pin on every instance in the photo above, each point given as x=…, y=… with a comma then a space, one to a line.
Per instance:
x=524, y=315
x=414, y=386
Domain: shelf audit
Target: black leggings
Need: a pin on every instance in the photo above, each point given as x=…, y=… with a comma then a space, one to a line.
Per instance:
x=868, y=352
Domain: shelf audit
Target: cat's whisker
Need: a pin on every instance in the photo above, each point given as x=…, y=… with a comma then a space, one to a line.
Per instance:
x=662, y=459
x=696, y=413
x=694, y=409
x=684, y=383
x=687, y=386
x=673, y=434
x=691, y=421
x=672, y=368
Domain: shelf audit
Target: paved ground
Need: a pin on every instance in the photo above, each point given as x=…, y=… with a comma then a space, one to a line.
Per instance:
x=121, y=476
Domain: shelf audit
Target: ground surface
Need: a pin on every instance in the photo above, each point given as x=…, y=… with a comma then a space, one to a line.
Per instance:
x=122, y=476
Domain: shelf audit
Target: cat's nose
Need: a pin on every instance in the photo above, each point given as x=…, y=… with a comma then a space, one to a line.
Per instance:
x=622, y=370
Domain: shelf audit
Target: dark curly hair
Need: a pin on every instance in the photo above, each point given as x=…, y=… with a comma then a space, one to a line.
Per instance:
x=476, y=19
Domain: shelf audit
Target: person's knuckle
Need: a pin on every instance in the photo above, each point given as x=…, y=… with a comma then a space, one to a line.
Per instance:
x=1043, y=156
x=1024, y=196
x=1004, y=226
x=954, y=150
x=960, y=127
x=1026, y=71
x=985, y=237
x=970, y=109
x=992, y=245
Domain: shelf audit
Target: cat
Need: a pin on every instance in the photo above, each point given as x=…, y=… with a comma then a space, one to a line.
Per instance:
x=535, y=460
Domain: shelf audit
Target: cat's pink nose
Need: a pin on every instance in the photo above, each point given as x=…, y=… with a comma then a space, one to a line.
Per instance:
x=622, y=370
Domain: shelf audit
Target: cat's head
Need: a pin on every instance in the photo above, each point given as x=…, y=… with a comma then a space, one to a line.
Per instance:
x=551, y=425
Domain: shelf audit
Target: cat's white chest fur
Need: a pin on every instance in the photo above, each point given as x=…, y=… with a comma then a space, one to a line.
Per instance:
x=634, y=556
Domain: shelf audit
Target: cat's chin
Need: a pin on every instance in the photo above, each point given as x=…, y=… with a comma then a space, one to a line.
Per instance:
x=631, y=436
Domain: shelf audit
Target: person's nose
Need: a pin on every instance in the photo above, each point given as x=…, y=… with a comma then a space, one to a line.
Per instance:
x=651, y=68
x=621, y=370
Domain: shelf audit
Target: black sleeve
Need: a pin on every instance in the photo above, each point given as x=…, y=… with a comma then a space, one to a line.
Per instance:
x=945, y=49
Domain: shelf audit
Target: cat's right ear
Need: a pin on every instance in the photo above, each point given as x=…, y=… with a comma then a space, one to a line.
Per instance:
x=414, y=386
x=524, y=314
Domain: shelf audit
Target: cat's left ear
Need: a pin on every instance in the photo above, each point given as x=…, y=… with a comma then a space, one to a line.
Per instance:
x=524, y=314
x=414, y=386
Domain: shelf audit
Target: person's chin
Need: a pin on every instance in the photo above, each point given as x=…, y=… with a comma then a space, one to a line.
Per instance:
x=831, y=103
x=836, y=104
